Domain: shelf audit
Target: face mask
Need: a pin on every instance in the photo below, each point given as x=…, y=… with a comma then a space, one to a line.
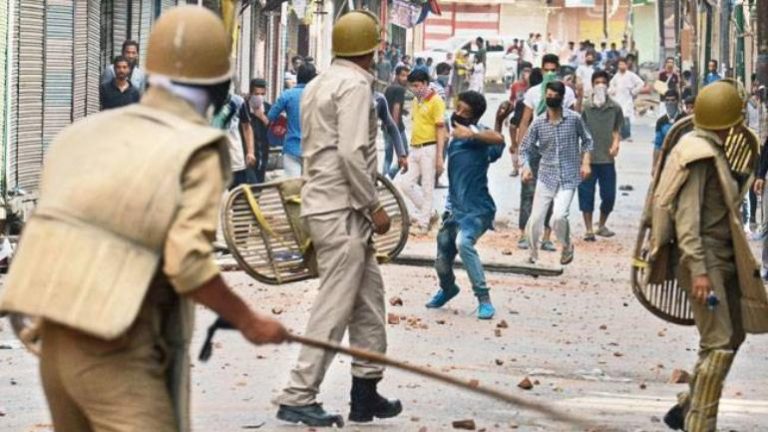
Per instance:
x=554, y=102
x=422, y=94
x=671, y=109
x=599, y=95
x=256, y=102
x=456, y=119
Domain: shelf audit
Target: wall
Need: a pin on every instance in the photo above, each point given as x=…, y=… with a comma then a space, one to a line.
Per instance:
x=523, y=17
x=577, y=24
x=646, y=33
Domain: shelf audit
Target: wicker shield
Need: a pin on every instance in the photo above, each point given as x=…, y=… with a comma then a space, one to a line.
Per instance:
x=662, y=293
x=265, y=233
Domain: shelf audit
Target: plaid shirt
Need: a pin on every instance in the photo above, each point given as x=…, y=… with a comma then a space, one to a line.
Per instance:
x=561, y=146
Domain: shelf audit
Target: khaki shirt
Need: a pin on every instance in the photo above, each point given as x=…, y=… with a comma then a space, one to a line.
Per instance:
x=338, y=125
x=701, y=216
x=188, y=252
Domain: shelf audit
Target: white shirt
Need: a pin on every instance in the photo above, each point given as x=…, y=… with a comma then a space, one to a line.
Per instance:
x=624, y=87
x=753, y=117
x=533, y=97
x=584, y=73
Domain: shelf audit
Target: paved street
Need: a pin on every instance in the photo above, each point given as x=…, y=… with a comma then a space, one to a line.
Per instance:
x=582, y=338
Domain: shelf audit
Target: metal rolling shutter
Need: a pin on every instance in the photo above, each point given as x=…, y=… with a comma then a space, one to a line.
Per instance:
x=167, y=4
x=4, y=72
x=80, y=61
x=93, y=79
x=27, y=149
x=57, y=97
x=119, y=26
x=141, y=21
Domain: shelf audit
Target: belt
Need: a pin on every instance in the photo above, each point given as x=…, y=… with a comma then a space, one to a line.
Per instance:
x=424, y=145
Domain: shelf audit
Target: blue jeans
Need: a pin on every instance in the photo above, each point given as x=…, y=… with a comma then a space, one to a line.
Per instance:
x=626, y=129
x=453, y=239
x=291, y=165
x=389, y=154
x=605, y=175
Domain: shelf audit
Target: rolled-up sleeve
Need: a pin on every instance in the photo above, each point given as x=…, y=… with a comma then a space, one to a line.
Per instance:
x=353, y=113
x=188, y=257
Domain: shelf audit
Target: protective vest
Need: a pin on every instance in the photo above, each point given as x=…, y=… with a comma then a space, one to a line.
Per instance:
x=693, y=147
x=110, y=189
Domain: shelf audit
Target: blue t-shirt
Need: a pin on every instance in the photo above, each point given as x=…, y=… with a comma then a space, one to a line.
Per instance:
x=468, y=194
x=290, y=102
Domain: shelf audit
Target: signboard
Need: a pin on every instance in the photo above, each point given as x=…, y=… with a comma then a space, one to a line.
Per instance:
x=579, y=3
x=403, y=13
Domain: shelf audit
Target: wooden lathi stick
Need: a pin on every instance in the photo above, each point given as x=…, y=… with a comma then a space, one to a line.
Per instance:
x=448, y=379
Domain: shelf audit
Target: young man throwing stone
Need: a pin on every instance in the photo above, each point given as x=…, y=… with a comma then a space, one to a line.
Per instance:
x=469, y=209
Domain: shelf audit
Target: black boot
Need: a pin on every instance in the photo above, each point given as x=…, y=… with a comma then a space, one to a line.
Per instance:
x=675, y=418
x=367, y=403
x=311, y=415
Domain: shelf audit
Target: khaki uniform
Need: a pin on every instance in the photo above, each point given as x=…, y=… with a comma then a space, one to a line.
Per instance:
x=697, y=204
x=339, y=149
x=128, y=209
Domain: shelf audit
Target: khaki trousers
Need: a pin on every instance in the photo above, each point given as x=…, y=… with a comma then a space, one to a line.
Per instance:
x=721, y=333
x=351, y=296
x=106, y=386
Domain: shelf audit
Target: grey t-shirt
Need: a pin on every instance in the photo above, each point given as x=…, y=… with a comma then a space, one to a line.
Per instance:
x=601, y=123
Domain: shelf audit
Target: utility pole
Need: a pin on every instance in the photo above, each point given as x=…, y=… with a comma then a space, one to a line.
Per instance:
x=762, y=41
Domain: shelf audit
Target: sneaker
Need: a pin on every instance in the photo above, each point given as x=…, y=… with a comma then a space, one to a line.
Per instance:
x=605, y=232
x=675, y=418
x=548, y=246
x=567, y=255
x=485, y=309
x=523, y=244
x=440, y=299
x=590, y=237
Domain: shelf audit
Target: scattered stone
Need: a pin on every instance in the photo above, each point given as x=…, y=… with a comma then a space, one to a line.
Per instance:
x=506, y=252
x=440, y=322
x=643, y=386
x=2, y=413
x=415, y=419
x=5, y=347
x=423, y=429
x=254, y=426
x=680, y=376
x=502, y=324
x=277, y=310
x=474, y=383
x=393, y=319
x=497, y=332
x=618, y=354
x=525, y=384
x=464, y=424
x=396, y=301
x=655, y=419
x=626, y=188
x=499, y=362
x=603, y=327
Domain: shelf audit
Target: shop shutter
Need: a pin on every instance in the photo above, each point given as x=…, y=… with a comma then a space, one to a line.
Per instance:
x=57, y=96
x=119, y=26
x=94, y=56
x=26, y=150
x=80, y=61
x=167, y=4
x=3, y=82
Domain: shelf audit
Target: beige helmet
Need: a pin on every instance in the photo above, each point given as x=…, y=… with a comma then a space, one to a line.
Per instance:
x=189, y=45
x=355, y=34
x=718, y=107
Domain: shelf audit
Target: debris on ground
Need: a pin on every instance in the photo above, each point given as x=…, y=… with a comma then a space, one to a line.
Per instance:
x=499, y=362
x=464, y=424
x=626, y=188
x=502, y=324
x=277, y=310
x=396, y=301
x=393, y=319
x=680, y=376
x=474, y=383
x=525, y=384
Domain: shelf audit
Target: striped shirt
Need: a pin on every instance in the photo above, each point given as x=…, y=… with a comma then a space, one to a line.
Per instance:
x=561, y=146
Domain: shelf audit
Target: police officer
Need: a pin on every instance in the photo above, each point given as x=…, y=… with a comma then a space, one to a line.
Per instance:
x=120, y=243
x=341, y=209
x=696, y=206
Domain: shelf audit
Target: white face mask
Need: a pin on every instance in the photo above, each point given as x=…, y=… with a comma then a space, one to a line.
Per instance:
x=256, y=102
x=599, y=95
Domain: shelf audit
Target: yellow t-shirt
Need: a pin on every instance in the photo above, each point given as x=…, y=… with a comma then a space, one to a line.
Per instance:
x=427, y=116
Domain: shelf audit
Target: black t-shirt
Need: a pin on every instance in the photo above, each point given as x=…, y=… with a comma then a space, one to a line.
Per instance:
x=395, y=94
x=517, y=117
x=111, y=97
